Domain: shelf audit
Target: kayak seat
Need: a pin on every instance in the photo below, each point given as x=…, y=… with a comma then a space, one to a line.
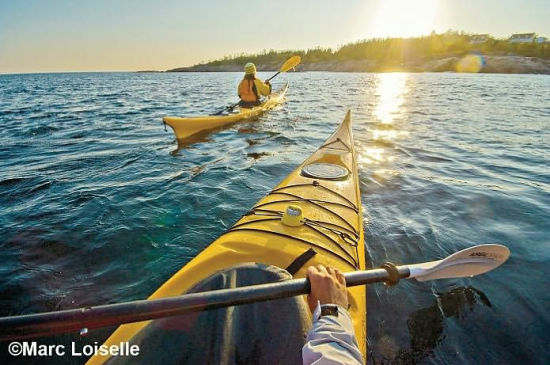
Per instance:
x=270, y=332
x=249, y=104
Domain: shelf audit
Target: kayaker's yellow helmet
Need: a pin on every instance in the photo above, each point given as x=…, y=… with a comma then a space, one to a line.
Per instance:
x=250, y=69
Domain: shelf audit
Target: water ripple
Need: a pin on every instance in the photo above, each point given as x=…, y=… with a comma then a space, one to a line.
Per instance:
x=97, y=205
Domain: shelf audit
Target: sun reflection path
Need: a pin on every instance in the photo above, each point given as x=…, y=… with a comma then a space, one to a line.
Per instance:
x=374, y=156
x=389, y=95
x=390, y=91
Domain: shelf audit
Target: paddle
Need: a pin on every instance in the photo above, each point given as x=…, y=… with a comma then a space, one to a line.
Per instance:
x=469, y=262
x=288, y=65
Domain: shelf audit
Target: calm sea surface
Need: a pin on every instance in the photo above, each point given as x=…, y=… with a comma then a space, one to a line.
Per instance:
x=97, y=205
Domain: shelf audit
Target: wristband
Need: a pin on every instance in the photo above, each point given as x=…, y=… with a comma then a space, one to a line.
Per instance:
x=329, y=310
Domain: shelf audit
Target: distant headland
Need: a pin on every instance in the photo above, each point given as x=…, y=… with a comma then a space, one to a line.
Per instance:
x=447, y=52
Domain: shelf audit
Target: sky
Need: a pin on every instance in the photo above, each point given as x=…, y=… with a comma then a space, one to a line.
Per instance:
x=131, y=35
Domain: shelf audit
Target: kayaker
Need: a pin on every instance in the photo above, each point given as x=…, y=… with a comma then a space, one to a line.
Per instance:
x=251, y=88
x=331, y=339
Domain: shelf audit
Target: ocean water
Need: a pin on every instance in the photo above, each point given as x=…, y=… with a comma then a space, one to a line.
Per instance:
x=99, y=205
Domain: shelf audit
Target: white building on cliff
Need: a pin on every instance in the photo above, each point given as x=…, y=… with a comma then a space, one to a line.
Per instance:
x=522, y=38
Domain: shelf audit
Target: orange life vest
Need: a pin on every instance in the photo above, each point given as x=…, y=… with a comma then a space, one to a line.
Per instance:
x=248, y=91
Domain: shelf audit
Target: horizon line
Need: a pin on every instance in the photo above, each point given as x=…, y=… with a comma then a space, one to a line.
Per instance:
x=267, y=50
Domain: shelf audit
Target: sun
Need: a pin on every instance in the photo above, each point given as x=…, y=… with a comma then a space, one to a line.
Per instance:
x=403, y=18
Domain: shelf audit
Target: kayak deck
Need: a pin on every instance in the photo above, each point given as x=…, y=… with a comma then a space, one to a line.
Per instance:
x=325, y=187
x=185, y=127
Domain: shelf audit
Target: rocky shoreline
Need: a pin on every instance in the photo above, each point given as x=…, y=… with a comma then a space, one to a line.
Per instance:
x=492, y=64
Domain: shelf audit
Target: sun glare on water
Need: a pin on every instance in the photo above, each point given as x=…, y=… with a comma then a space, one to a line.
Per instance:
x=391, y=95
x=403, y=18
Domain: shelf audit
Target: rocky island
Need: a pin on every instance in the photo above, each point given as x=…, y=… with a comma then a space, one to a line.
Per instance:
x=447, y=52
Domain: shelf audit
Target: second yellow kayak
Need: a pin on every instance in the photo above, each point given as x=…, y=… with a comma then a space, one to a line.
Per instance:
x=185, y=127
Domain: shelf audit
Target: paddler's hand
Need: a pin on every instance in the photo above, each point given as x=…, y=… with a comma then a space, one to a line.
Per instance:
x=267, y=83
x=328, y=286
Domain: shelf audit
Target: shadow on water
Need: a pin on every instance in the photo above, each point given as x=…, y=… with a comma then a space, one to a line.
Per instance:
x=46, y=259
x=247, y=130
x=426, y=325
x=205, y=136
x=187, y=142
x=257, y=155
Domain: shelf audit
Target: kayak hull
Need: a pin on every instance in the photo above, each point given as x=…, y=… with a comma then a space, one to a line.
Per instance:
x=185, y=127
x=332, y=228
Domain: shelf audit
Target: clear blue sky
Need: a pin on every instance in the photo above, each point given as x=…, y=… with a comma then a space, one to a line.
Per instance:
x=86, y=35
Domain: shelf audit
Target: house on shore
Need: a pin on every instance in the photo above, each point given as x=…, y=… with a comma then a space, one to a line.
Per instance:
x=479, y=38
x=541, y=40
x=522, y=38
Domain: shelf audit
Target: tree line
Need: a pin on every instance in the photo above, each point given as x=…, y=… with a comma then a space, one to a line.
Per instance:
x=396, y=51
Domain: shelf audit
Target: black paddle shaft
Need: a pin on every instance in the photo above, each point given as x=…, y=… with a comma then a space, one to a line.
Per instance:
x=73, y=320
x=278, y=72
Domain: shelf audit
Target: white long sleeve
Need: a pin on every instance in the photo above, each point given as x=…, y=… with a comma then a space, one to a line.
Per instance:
x=331, y=340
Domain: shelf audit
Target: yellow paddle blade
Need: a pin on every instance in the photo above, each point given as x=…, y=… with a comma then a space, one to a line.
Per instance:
x=291, y=63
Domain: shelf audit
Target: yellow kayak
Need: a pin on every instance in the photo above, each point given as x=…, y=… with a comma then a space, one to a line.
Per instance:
x=186, y=127
x=312, y=217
